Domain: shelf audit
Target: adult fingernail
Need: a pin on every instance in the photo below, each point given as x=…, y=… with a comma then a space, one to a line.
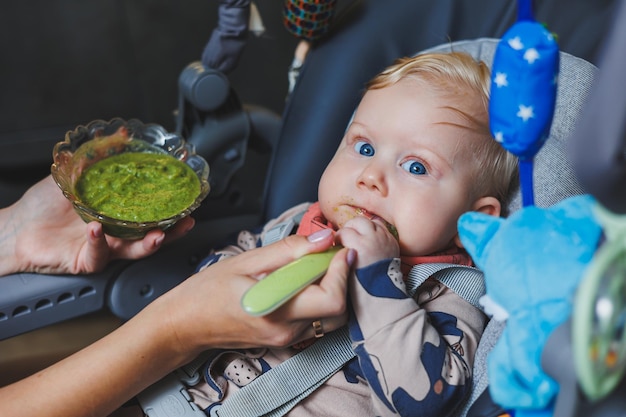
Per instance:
x=96, y=232
x=351, y=256
x=192, y=223
x=319, y=235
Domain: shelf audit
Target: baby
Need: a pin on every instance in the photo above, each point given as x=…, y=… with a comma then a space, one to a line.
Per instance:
x=417, y=154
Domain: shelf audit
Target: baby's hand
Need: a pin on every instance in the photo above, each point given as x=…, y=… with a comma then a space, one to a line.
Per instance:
x=370, y=238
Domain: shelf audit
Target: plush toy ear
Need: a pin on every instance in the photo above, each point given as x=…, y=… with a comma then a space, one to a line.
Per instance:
x=576, y=207
x=475, y=232
x=578, y=216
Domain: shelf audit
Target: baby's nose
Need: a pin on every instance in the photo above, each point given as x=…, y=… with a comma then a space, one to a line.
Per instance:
x=373, y=178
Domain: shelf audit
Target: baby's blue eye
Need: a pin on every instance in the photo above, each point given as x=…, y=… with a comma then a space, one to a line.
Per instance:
x=364, y=148
x=414, y=167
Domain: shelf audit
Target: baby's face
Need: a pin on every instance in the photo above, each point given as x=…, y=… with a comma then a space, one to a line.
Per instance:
x=405, y=161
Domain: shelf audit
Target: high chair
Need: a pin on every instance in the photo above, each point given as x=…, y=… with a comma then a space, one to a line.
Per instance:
x=364, y=38
x=552, y=159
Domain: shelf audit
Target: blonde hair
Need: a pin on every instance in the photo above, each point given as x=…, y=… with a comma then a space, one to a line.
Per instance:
x=460, y=76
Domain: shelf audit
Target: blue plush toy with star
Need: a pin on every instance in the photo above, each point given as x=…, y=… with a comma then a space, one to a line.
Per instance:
x=523, y=92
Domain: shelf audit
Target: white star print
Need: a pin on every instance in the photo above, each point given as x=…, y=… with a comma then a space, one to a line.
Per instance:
x=525, y=112
x=531, y=55
x=516, y=43
x=500, y=80
x=499, y=137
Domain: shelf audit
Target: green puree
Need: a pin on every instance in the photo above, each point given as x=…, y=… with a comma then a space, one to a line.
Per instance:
x=140, y=187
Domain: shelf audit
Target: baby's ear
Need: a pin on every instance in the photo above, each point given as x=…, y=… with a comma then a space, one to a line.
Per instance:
x=476, y=231
x=488, y=205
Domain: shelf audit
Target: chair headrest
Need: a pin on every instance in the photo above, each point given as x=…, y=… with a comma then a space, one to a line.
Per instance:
x=554, y=175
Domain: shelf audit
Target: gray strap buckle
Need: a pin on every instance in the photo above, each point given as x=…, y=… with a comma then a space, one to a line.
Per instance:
x=168, y=398
x=278, y=232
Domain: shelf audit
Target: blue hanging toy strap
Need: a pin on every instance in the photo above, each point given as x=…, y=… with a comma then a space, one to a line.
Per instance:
x=523, y=92
x=525, y=10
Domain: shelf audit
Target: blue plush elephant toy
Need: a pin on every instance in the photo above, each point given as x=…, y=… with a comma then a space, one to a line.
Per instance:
x=533, y=263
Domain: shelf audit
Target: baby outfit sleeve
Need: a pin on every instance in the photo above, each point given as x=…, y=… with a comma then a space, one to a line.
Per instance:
x=416, y=353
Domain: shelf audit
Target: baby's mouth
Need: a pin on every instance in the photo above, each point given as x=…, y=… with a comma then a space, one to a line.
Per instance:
x=371, y=216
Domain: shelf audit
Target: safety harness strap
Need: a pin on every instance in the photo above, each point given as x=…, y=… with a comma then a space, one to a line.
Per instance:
x=466, y=281
x=269, y=395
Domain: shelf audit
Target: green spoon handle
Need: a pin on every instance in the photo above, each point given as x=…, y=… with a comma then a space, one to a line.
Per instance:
x=279, y=286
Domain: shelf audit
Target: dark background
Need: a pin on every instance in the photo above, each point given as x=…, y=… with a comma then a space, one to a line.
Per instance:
x=64, y=63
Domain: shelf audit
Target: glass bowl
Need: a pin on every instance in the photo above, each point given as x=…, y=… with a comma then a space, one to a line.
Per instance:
x=98, y=140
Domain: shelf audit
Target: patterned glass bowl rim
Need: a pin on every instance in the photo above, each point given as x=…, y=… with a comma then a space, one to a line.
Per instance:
x=79, y=150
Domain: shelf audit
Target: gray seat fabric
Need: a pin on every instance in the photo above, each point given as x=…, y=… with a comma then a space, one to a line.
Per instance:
x=554, y=177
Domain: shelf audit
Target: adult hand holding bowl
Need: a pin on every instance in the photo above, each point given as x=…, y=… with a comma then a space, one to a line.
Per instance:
x=129, y=176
